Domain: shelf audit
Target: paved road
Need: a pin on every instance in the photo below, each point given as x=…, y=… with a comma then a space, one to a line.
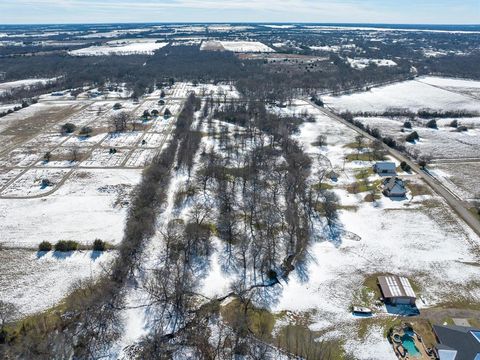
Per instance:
x=455, y=203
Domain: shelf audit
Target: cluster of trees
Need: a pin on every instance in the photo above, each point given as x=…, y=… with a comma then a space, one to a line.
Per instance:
x=93, y=321
x=24, y=105
x=70, y=245
x=252, y=191
x=422, y=113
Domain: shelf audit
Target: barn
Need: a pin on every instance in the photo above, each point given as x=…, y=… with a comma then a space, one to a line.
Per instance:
x=396, y=290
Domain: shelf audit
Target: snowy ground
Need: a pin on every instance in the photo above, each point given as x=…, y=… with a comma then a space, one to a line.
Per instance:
x=147, y=48
x=413, y=95
x=460, y=177
x=34, y=281
x=8, y=86
x=442, y=143
x=419, y=237
x=455, y=153
x=91, y=204
x=236, y=46
x=87, y=198
x=363, y=63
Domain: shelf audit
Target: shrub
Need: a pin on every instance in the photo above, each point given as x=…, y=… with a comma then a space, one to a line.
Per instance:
x=405, y=167
x=86, y=131
x=389, y=142
x=432, y=124
x=44, y=246
x=99, y=245
x=412, y=137
x=272, y=274
x=66, y=245
x=454, y=123
x=407, y=125
x=68, y=128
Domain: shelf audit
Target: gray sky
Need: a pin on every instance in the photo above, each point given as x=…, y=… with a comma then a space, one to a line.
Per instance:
x=356, y=11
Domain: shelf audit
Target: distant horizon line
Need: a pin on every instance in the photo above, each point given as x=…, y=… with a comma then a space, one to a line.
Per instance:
x=244, y=22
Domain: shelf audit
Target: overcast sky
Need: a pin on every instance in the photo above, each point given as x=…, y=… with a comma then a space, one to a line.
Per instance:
x=356, y=11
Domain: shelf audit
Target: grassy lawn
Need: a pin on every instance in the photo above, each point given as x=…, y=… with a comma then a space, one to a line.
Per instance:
x=475, y=212
x=364, y=186
x=418, y=189
x=322, y=186
x=367, y=156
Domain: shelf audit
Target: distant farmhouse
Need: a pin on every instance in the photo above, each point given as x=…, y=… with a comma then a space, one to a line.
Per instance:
x=394, y=187
x=457, y=342
x=396, y=290
x=385, y=168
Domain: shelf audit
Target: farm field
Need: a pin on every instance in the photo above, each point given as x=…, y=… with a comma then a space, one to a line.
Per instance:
x=413, y=95
x=236, y=46
x=147, y=48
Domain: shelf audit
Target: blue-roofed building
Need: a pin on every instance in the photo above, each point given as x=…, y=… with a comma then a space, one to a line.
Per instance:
x=394, y=188
x=386, y=168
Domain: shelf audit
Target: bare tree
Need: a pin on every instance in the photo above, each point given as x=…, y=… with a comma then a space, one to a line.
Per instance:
x=120, y=121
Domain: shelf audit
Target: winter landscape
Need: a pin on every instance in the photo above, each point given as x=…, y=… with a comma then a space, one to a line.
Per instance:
x=213, y=190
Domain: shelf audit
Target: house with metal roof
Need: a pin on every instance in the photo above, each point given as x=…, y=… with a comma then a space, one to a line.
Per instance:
x=396, y=290
x=385, y=168
x=394, y=187
x=457, y=342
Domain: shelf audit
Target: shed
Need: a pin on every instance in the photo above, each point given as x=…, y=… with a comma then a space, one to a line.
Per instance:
x=394, y=187
x=457, y=342
x=385, y=168
x=397, y=290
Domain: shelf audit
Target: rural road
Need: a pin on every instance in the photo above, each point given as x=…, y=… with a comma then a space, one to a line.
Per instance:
x=455, y=203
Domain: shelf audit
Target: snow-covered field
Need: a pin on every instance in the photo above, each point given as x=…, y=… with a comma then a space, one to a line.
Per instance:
x=91, y=204
x=460, y=177
x=246, y=46
x=413, y=95
x=147, y=48
x=9, y=86
x=363, y=63
x=84, y=201
x=442, y=143
x=237, y=46
x=35, y=281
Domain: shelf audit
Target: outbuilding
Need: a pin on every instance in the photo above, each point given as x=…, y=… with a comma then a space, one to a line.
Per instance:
x=396, y=290
x=385, y=168
x=394, y=187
